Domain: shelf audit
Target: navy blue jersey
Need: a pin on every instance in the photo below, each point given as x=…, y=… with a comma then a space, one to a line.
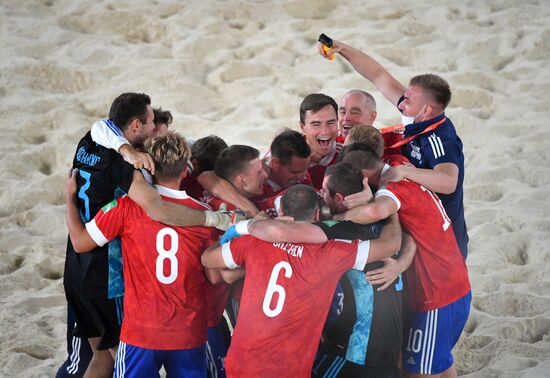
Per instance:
x=103, y=175
x=441, y=145
x=364, y=325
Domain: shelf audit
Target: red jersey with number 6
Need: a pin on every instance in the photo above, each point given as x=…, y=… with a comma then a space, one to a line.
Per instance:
x=164, y=299
x=286, y=296
x=438, y=275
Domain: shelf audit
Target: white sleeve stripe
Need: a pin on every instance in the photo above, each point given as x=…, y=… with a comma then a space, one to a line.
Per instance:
x=387, y=193
x=228, y=256
x=111, y=125
x=434, y=149
x=363, y=249
x=96, y=233
x=441, y=146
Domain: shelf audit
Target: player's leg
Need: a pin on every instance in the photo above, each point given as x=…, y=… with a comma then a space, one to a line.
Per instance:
x=431, y=338
x=188, y=363
x=107, y=318
x=101, y=364
x=133, y=362
x=79, y=352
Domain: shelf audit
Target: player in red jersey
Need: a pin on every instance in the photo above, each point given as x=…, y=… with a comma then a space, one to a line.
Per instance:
x=437, y=279
x=356, y=108
x=164, y=310
x=287, y=291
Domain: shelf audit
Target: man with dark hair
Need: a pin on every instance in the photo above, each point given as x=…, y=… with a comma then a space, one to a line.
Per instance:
x=204, y=152
x=287, y=165
x=242, y=167
x=319, y=123
x=163, y=119
x=430, y=141
x=165, y=310
x=356, y=108
x=437, y=281
x=92, y=287
x=287, y=290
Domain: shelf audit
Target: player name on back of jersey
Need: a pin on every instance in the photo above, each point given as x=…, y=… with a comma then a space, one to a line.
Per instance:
x=291, y=249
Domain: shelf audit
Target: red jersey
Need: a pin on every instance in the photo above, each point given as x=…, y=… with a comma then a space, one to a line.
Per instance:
x=317, y=170
x=396, y=159
x=217, y=295
x=192, y=187
x=438, y=275
x=287, y=293
x=164, y=306
x=390, y=139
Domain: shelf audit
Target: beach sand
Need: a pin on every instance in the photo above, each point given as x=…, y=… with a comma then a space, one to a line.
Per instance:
x=239, y=69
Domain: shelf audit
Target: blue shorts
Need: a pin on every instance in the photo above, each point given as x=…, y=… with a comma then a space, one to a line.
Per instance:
x=432, y=336
x=133, y=362
x=219, y=338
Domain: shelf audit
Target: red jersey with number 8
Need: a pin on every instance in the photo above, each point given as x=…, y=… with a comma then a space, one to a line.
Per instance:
x=164, y=298
x=438, y=275
x=287, y=292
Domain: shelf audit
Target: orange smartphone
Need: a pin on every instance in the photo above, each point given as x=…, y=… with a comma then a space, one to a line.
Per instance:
x=327, y=43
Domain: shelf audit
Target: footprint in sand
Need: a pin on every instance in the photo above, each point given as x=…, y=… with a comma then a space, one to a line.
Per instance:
x=10, y=263
x=489, y=192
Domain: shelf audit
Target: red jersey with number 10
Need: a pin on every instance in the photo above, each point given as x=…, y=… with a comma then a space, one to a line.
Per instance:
x=164, y=300
x=286, y=296
x=438, y=275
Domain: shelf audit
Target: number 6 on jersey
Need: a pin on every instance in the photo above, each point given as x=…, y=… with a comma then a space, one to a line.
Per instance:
x=273, y=287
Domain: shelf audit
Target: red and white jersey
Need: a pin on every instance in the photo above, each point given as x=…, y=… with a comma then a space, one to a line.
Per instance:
x=192, y=187
x=164, y=305
x=287, y=293
x=438, y=275
x=317, y=170
x=396, y=159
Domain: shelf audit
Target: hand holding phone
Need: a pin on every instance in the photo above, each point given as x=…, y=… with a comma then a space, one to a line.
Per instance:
x=327, y=44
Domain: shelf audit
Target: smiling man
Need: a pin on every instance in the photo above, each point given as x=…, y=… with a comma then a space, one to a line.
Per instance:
x=319, y=123
x=356, y=108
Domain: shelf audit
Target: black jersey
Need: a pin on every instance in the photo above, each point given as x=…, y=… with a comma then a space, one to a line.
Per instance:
x=364, y=325
x=103, y=175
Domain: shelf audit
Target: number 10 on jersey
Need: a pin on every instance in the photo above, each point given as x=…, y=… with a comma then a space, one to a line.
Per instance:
x=273, y=287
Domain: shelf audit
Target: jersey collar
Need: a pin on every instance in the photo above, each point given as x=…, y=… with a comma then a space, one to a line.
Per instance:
x=172, y=193
x=417, y=128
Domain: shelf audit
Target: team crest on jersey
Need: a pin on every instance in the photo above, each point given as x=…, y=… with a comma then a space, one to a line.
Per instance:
x=109, y=206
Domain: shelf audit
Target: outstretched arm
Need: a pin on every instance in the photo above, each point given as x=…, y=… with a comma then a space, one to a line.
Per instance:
x=223, y=190
x=441, y=179
x=81, y=240
x=381, y=208
x=286, y=231
x=373, y=71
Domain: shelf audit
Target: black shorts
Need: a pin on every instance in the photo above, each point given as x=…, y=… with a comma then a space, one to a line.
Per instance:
x=331, y=364
x=96, y=318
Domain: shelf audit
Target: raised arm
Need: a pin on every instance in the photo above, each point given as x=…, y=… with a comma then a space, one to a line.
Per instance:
x=373, y=71
x=81, y=240
x=171, y=213
x=223, y=190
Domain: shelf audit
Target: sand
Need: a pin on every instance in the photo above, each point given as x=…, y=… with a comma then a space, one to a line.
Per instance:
x=239, y=69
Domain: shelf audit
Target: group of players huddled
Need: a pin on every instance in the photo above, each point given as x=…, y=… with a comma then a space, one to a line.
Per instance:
x=351, y=262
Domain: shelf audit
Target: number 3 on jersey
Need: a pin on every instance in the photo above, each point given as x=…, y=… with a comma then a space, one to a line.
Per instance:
x=167, y=254
x=273, y=287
